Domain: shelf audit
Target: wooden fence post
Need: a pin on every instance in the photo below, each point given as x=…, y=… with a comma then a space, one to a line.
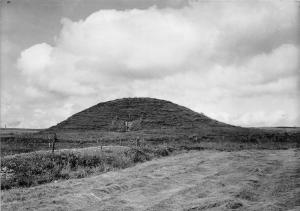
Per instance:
x=137, y=142
x=53, y=143
x=100, y=140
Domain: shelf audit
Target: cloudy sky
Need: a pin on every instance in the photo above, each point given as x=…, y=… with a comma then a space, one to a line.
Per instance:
x=235, y=61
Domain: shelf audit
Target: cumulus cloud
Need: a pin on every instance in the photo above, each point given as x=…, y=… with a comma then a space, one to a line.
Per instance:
x=204, y=54
x=35, y=59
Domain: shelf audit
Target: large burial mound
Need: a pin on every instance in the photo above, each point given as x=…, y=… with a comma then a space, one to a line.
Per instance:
x=133, y=114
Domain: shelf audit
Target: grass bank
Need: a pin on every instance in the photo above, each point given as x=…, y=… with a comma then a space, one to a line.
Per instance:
x=30, y=169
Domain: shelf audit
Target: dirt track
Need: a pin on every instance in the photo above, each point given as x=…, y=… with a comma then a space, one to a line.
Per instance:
x=204, y=180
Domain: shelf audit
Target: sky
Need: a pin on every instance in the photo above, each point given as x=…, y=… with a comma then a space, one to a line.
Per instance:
x=235, y=61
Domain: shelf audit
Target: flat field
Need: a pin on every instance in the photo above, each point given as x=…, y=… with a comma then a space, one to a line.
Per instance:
x=263, y=138
x=195, y=180
x=4, y=132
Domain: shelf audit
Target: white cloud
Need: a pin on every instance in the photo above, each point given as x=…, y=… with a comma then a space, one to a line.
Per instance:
x=34, y=60
x=209, y=56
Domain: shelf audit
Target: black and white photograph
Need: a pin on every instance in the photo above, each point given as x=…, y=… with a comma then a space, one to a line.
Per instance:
x=150, y=105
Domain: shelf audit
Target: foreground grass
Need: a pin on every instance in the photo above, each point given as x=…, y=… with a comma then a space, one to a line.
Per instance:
x=34, y=168
x=30, y=169
x=200, y=180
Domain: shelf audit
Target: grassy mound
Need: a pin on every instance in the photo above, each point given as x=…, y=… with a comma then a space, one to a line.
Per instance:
x=136, y=114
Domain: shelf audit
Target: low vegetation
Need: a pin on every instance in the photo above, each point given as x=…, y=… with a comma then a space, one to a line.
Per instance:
x=27, y=160
x=263, y=139
x=30, y=169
